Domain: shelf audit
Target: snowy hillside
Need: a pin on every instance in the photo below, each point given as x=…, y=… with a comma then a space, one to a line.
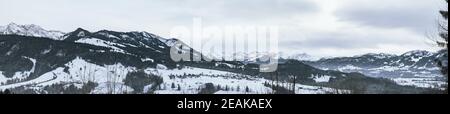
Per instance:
x=413, y=68
x=253, y=57
x=301, y=57
x=110, y=79
x=111, y=62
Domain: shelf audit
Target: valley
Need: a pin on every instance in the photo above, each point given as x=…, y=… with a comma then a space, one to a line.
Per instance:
x=111, y=62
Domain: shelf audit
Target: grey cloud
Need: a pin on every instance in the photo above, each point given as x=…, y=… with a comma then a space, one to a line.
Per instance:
x=346, y=41
x=417, y=15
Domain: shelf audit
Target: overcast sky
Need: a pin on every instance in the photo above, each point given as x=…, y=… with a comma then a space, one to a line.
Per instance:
x=317, y=27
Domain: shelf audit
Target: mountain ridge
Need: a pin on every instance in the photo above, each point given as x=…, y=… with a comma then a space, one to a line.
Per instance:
x=96, y=60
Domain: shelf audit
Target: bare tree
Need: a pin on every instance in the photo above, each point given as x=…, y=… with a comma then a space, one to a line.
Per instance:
x=293, y=83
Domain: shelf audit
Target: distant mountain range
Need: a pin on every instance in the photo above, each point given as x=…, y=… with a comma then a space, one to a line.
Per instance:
x=409, y=64
x=38, y=61
x=416, y=68
x=30, y=30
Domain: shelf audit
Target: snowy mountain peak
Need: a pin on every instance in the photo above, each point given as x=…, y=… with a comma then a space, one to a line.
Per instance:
x=169, y=42
x=118, y=41
x=377, y=55
x=417, y=53
x=302, y=57
x=30, y=30
x=80, y=30
x=12, y=25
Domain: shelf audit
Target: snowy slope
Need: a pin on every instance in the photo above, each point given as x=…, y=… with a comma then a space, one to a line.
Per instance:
x=190, y=79
x=102, y=43
x=262, y=56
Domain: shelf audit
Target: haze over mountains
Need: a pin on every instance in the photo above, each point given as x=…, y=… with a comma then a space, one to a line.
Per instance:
x=35, y=60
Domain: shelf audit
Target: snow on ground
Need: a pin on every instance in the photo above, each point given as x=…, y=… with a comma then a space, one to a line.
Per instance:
x=415, y=60
x=191, y=70
x=236, y=83
x=19, y=75
x=320, y=79
x=112, y=88
x=349, y=67
x=108, y=35
x=110, y=79
x=160, y=66
x=191, y=84
x=227, y=92
x=2, y=78
x=227, y=64
x=43, y=78
x=147, y=59
x=390, y=68
x=308, y=89
x=420, y=82
x=103, y=43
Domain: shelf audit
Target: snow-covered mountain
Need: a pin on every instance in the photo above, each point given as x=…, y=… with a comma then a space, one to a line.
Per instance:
x=417, y=68
x=301, y=57
x=117, y=41
x=251, y=56
x=30, y=30
x=254, y=57
x=128, y=62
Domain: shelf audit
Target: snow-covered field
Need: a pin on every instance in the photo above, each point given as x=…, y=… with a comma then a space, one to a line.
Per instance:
x=191, y=84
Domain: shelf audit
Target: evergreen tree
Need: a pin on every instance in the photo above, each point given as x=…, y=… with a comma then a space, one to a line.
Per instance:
x=443, y=28
x=7, y=91
x=173, y=85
